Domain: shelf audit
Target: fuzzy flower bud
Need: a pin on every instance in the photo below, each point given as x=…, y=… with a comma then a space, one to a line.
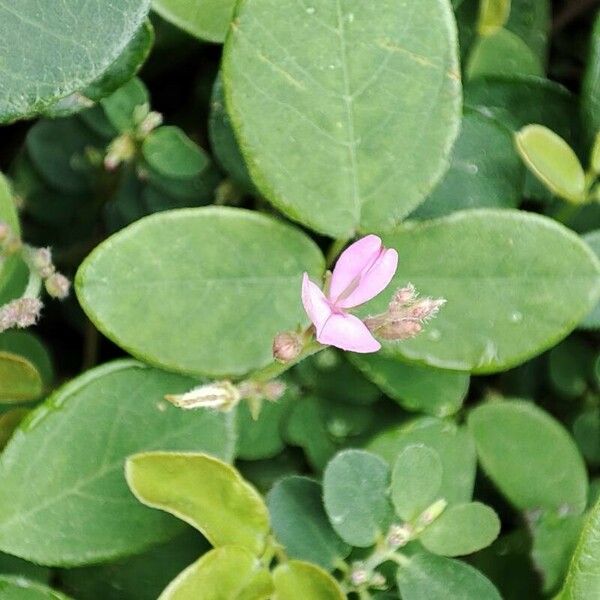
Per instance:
x=430, y=514
x=20, y=313
x=151, y=121
x=287, y=346
x=5, y=231
x=121, y=149
x=359, y=575
x=42, y=262
x=399, y=535
x=219, y=395
x=58, y=286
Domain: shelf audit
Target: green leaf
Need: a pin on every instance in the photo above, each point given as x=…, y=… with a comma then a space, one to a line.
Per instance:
x=19, y=379
x=586, y=431
x=8, y=210
x=485, y=171
x=462, y=529
x=431, y=577
x=502, y=54
x=583, y=576
x=9, y=421
x=356, y=494
x=554, y=541
x=472, y=259
x=422, y=389
x=186, y=485
x=227, y=572
x=300, y=523
x=453, y=445
x=172, y=154
x=552, y=161
x=570, y=366
x=296, y=580
x=43, y=59
x=590, y=90
x=592, y=320
x=207, y=278
x=493, y=15
x=120, y=107
x=12, y=565
x=519, y=446
x=416, y=481
x=222, y=139
x=76, y=507
x=140, y=577
x=30, y=347
x=355, y=88
x=205, y=19
x=126, y=66
x=19, y=588
x=531, y=21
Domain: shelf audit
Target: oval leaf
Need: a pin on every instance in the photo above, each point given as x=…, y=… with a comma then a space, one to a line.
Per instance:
x=296, y=580
x=462, y=529
x=355, y=490
x=42, y=49
x=592, y=320
x=552, y=161
x=19, y=380
x=503, y=274
x=300, y=523
x=19, y=588
x=74, y=507
x=227, y=572
x=519, y=446
x=590, y=90
x=416, y=481
x=378, y=105
x=203, y=279
x=186, y=485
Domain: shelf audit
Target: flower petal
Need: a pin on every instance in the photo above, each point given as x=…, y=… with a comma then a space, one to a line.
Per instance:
x=347, y=332
x=317, y=307
x=374, y=280
x=352, y=262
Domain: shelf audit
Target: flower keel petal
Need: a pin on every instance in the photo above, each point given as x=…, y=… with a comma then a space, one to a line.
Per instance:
x=348, y=333
x=315, y=304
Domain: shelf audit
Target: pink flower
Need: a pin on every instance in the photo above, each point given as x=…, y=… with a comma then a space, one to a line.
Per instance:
x=363, y=270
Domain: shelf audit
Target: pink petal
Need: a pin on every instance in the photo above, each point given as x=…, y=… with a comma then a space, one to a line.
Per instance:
x=347, y=332
x=373, y=281
x=317, y=307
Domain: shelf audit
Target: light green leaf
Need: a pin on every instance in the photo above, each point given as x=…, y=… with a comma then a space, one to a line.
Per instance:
x=205, y=19
x=423, y=389
x=19, y=379
x=356, y=87
x=140, y=577
x=485, y=171
x=300, y=523
x=531, y=21
x=586, y=431
x=502, y=54
x=186, y=485
x=583, y=576
x=51, y=50
x=9, y=421
x=30, y=347
x=570, y=366
x=431, y=577
x=554, y=541
x=19, y=588
x=473, y=259
x=296, y=580
x=552, y=161
x=206, y=278
x=462, y=529
x=120, y=107
x=8, y=210
x=529, y=456
x=493, y=15
x=592, y=320
x=356, y=495
x=590, y=90
x=229, y=572
x=453, y=445
x=126, y=66
x=75, y=507
x=416, y=481
x=172, y=154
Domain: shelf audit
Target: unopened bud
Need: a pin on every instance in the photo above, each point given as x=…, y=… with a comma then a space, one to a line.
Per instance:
x=404, y=296
x=11, y=244
x=58, y=286
x=399, y=330
x=359, y=575
x=258, y=390
x=378, y=581
x=287, y=346
x=42, y=262
x=399, y=535
x=219, y=395
x=426, y=308
x=121, y=149
x=5, y=231
x=430, y=514
x=20, y=313
x=151, y=121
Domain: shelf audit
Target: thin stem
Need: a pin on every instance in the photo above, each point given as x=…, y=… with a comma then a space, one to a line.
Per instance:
x=335, y=249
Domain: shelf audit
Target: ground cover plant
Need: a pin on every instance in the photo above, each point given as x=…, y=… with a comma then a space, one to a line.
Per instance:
x=299, y=299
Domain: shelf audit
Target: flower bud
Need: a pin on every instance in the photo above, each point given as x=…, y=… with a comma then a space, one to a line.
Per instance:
x=359, y=575
x=287, y=346
x=42, y=262
x=430, y=514
x=5, y=231
x=20, y=313
x=121, y=149
x=58, y=286
x=404, y=296
x=378, y=581
x=399, y=330
x=399, y=535
x=219, y=395
x=151, y=121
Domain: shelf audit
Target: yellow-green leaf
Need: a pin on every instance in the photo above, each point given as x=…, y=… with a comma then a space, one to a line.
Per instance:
x=19, y=379
x=297, y=580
